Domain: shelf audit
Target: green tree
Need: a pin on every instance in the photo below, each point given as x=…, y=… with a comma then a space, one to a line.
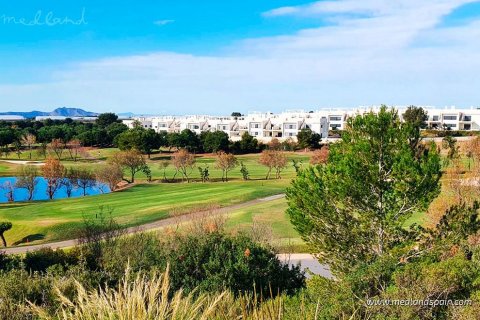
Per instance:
x=416, y=116
x=244, y=171
x=214, y=141
x=7, y=136
x=307, y=139
x=174, y=140
x=139, y=139
x=353, y=208
x=114, y=129
x=248, y=143
x=4, y=226
x=190, y=140
x=106, y=119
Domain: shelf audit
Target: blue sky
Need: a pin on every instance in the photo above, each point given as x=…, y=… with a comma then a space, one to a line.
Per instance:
x=177, y=57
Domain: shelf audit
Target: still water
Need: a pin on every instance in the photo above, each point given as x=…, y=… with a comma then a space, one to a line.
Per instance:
x=41, y=190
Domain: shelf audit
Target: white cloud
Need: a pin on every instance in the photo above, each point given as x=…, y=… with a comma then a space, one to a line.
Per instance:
x=396, y=55
x=163, y=22
x=281, y=11
x=372, y=7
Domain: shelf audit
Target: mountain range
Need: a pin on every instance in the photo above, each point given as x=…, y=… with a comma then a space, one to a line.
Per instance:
x=63, y=112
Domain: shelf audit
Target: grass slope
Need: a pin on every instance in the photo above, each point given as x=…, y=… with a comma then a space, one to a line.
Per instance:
x=271, y=219
x=58, y=219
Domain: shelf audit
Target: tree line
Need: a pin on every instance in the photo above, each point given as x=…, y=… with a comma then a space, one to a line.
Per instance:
x=125, y=165
x=60, y=137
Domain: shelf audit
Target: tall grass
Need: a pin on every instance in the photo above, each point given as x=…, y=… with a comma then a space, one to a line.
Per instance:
x=149, y=297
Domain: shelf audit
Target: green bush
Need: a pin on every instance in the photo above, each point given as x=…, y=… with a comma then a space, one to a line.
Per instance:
x=215, y=262
x=44, y=258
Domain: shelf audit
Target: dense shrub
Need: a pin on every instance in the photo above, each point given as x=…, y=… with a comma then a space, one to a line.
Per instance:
x=44, y=258
x=215, y=261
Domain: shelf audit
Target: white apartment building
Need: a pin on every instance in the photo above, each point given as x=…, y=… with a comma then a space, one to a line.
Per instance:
x=263, y=126
x=286, y=125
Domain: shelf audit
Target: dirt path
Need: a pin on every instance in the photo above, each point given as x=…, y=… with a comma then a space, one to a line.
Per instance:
x=148, y=226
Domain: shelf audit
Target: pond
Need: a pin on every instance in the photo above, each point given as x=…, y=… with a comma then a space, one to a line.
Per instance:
x=41, y=190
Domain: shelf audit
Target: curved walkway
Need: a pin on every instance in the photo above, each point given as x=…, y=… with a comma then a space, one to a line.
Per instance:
x=148, y=226
x=306, y=261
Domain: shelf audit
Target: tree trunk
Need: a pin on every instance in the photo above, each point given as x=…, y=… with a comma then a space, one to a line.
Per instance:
x=268, y=173
x=3, y=239
x=50, y=192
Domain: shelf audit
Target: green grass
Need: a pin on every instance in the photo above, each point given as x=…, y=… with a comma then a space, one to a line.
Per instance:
x=271, y=218
x=98, y=156
x=256, y=170
x=8, y=169
x=58, y=219
x=37, y=222
x=93, y=153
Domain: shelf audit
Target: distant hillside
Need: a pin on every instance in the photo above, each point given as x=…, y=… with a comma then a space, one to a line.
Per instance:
x=64, y=112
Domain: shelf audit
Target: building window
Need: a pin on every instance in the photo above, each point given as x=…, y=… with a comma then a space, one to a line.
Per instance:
x=467, y=118
x=256, y=126
x=450, y=125
x=335, y=126
x=435, y=118
x=449, y=117
x=335, y=118
x=467, y=126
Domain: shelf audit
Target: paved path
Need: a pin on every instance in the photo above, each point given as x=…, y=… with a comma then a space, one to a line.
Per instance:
x=149, y=226
x=306, y=261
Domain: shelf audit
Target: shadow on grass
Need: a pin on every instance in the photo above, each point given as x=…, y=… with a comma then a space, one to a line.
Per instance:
x=30, y=238
x=14, y=205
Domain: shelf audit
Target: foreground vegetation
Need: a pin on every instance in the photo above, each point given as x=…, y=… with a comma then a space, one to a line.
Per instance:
x=199, y=263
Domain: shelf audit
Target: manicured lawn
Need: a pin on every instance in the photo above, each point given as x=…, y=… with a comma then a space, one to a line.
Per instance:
x=98, y=157
x=256, y=170
x=271, y=219
x=58, y=219
x=7, y=169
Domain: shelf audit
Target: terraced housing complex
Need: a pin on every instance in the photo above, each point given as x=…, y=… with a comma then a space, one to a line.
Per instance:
x=285, y=125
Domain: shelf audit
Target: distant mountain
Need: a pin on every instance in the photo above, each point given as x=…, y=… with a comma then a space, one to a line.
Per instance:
x=63, y=112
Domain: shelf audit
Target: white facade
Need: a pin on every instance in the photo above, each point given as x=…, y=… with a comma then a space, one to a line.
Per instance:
x=285, y=125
